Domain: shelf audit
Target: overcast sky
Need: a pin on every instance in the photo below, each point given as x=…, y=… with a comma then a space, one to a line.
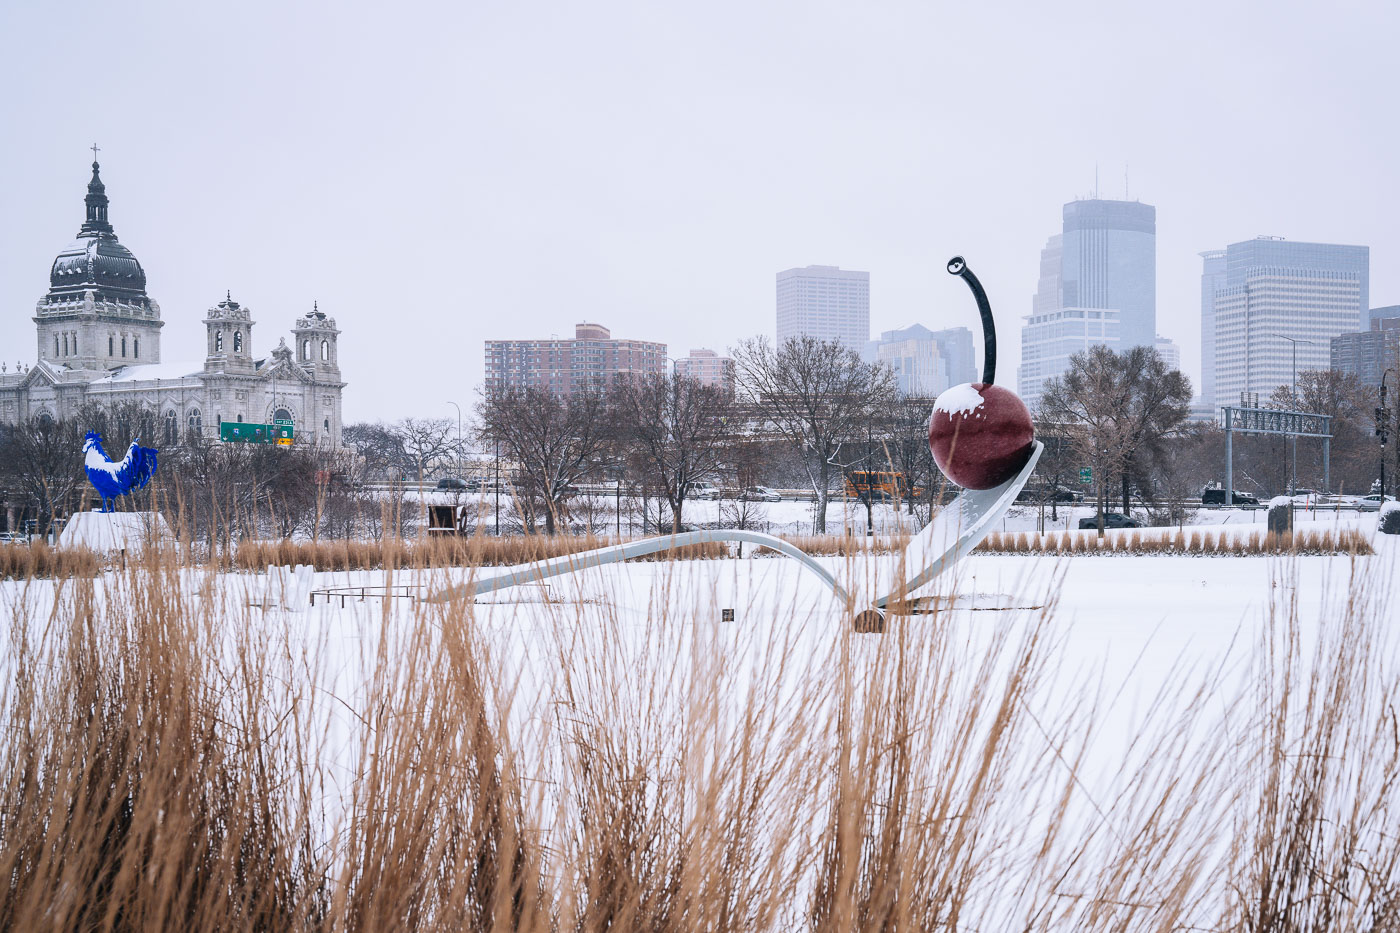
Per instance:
x=440, y=174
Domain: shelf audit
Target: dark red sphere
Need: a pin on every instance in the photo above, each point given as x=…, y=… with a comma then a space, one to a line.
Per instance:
x=980, y=435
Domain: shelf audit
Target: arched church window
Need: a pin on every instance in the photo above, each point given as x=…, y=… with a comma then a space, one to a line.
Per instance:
x=65, y=344
x=306, y=349
x=55, y=345
x=325, y=350
x=196, y=422
x=240, y=417
x=123, y=348
x=111, y=346
x=237, y=341
x=326, y=424
x=281, y=414
x=172, y=425
x=136, y=347
x=218, y=341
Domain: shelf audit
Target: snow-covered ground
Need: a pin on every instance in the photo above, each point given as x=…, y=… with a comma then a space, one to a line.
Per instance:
x=1135, y=634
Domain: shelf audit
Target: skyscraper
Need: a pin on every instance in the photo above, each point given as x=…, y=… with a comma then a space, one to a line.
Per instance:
x=955, y=345
x=1370, y=353
x=1098, y=285
x=825, y=302
x=1280, y=297
x=1109, y=260
x=1212, y=278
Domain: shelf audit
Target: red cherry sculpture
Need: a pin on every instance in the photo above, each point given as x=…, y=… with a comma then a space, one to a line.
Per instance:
x=980, y=433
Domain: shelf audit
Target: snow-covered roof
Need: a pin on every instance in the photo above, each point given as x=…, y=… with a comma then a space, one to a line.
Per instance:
x=150, y=371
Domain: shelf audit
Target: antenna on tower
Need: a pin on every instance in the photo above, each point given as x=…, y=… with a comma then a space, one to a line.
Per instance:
x=1096, y=181
x=1125, y=181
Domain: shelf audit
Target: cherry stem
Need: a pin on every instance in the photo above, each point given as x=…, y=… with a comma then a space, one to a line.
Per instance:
x=958, y=266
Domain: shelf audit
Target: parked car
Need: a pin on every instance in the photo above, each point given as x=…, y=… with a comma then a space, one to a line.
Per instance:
x=1217, y=497
x=701, y=490
x=1110, y=520
x=759, y=494
x=14, y=537
x=452, y=482
x=1372, y=503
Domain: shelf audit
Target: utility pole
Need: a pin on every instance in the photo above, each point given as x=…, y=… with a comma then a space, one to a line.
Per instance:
x=1383, y=429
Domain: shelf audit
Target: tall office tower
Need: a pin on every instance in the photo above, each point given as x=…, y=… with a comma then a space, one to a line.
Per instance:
x=1169, y=352
x=1212, y=278
x=1048, y=341
x=825, y=302
x=709, y=368
x=1047, y=290
x=1369, y=353
x=1109, y=260
x=592, y=359
x=1282, y=297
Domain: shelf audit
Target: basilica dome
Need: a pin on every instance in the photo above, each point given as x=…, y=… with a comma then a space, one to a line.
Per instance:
x=96, y=260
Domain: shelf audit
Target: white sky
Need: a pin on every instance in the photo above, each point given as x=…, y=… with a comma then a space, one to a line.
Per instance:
x=440, y=174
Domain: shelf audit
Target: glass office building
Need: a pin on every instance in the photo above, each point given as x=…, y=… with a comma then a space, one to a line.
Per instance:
x=1109, y=260
x=1282, y=298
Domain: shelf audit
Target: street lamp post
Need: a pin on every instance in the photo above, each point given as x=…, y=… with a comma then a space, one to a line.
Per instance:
x=1293, y=482
x=459, y=436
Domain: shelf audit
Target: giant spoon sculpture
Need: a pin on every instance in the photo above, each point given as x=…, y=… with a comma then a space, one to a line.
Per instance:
x=981, y=437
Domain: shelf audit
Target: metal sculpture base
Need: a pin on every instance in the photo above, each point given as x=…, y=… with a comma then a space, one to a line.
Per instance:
x=114, y=532
x=958, y=528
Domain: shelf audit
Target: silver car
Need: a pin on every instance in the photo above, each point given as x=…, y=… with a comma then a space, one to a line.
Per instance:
x=1372, y=503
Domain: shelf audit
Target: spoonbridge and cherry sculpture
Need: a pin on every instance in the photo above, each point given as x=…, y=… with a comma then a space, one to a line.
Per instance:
x=982, y=440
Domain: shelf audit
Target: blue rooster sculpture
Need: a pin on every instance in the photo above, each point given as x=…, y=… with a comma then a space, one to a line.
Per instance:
x=134, y=470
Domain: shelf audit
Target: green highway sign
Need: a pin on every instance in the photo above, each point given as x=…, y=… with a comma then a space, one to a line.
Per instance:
x=1086, y=475
x=237, y=432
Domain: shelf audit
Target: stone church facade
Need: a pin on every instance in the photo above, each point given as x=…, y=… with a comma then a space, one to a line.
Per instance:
x=99, y=333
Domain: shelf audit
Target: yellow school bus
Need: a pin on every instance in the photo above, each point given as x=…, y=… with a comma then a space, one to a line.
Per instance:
x=879, y=484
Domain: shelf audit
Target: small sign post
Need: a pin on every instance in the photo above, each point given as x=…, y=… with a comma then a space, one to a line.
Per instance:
x=1086, y=476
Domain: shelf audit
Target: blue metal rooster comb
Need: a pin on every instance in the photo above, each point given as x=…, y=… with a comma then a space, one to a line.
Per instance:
x=133, y=471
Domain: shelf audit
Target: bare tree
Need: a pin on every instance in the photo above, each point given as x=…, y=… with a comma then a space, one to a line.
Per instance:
x=41, y=460
x=378, y=448
x=424, y=441
x=554, y=440
x=675, y=427
x=1355, y=449
x=1124, y=404
x=817, y=395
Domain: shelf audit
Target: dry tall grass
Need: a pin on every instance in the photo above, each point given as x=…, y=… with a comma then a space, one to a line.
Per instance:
x=176, y=760
x=25, y=561
x=444, y=551
x=1347, y=541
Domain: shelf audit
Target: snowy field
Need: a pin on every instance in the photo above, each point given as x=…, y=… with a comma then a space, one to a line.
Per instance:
x=1127, y=642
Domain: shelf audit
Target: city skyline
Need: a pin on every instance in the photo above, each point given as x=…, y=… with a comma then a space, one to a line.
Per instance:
x=425, y=182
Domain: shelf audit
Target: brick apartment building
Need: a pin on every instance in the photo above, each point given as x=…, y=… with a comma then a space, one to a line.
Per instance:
x=592, y=357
